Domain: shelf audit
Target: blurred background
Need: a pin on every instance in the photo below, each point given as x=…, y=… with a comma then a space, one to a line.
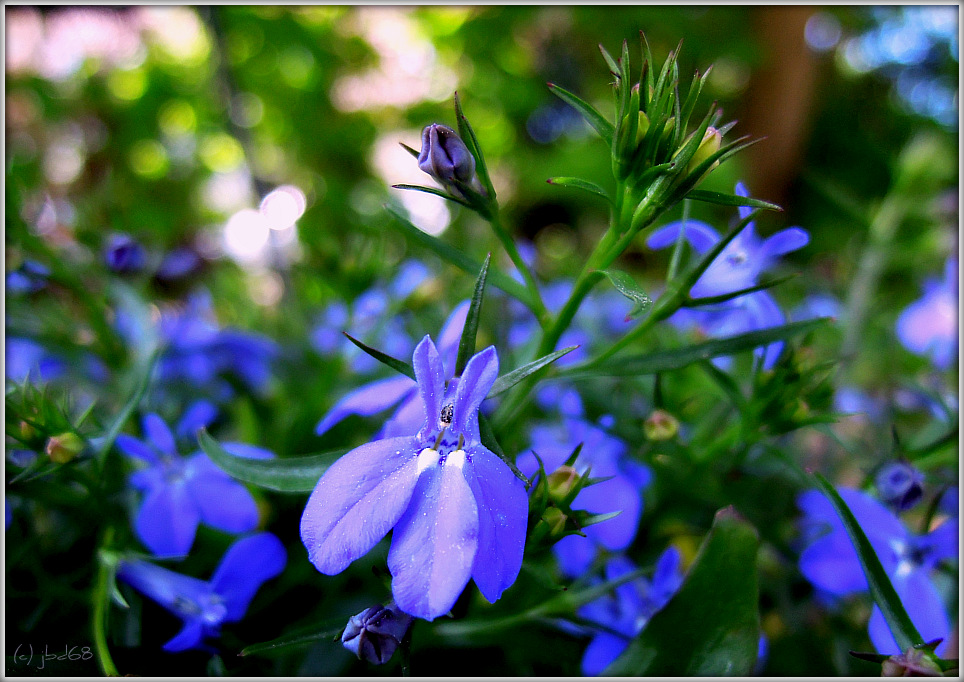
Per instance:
x=252, y=149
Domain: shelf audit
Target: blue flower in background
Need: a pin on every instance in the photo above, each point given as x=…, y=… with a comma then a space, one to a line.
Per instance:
x=457, y=510
x=26, y=359
x=625, y=613
x=182, y=492
x=830, y=562
x=929, y=325
x=737, y=267
x=29, y=278
x=608, y=457
x=124, y=255
x=379, y=395
x=900, y=485
x=205, y=605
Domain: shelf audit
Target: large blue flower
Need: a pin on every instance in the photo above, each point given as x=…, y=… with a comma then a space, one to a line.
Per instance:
x=625, y=613
x=928, y=326
x=205, y=605
x=457, y=509
x=830, y=561
x=181, y=492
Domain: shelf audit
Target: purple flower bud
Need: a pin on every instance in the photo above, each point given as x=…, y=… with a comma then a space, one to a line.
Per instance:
x=444, y=155
x=900, y=485
x=124, y=255
x=375, y=633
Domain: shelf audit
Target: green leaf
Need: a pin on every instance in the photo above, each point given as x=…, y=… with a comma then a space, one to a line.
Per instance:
x=437, y=192
x=712, y=625
x=610, y=62
x=468, y=136
x=396, y=364
x=579, y=183
x=413, y=152
x=724, y=199
x=592, y=116
x=627, y=287
x=285, y=475
x=458, y=258
x=471, y=327
x=143, y=370
x=330, y=628
x=881, y=589
x=666, y=360
x=510, y=379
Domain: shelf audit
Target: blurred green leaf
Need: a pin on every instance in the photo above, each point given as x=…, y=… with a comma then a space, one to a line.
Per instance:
x=712, y=625
x=625, y=285
x=285, y=475
x=510, y=379
x=437, y=192
x=579, y=183
x=330, y=628
x=724, y=199
x=398, y=365
x=592, y=116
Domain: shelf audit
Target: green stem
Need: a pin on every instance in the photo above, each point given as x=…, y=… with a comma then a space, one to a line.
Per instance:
x=510, y=248
x=99, y=615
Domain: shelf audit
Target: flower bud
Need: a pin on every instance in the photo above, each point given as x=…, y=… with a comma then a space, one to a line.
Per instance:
x=555, y=520
x=64, y=447
x=712, y=140
x=660, y=425
x=444, y=155
x=900, y=485
x=375, y=633
x=911, y=663
x=561, y=482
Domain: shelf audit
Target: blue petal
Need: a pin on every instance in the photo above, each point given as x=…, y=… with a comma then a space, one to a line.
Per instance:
x=785, y=241
x=667, y=579
x=479, y=375
x=430, y=378
x=744, y=211
x=200, y=414
x=221, y=501
x=503, y=509
x=367, y=400
x=169, y=589
x=168, y=520
x=941, y=543
x=247, y=564
x=159, y=434
x=451, y=334
x=434, y=543
x=189, y=637
x=132, y=447
x=602, y=650
x=574, y=554
x=357, y=501
x=700, y=235
x=616, y=494
x=408, y=418
x=926, y=611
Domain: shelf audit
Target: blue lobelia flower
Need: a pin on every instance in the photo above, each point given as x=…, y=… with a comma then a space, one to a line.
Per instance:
x=625, y=613
x=457, y=510
x=124, y=255
x=928, y=326
x=377, y=396
x=182, y=492
x=25, y=359
x=608, y=457
x=830, y=562
x=900, y=485
x=29, y=278
x=737, y=267
x=205, y=605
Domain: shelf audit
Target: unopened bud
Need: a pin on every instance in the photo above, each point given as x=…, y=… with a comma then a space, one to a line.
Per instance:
x=660, y=425
x=561, y=482
x=712, y=140
x=375, y=633
x=911, y=663
x=64, y=447
x=900, y=485
x=555, y=519
x=444, y=155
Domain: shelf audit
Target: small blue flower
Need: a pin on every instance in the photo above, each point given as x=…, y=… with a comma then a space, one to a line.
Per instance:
x=457, y=510
x=929, y=325
x=178, y=263
x=29, y=278
x=124, y=255
x=608, y=457
x=182, y=492
x=205, y=605
x=900, y=485
x=26, y=359
x=625, y=613
x=830, y=561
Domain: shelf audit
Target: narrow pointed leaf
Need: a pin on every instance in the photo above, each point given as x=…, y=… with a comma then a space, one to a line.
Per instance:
x=580, y=184
x=437, y=192
x=471, y=327
x=712, y=300
x=330, y=628
x=489, y=440
x=724, y=199
x=881, y=589
x=510, y=379
x=627, y=287
x=398, y=365
x=711, y=627
x=285, y=475
x=468, y=136
x=413, y=152
x=610, y=62
x=457, y=258
x=592, y=116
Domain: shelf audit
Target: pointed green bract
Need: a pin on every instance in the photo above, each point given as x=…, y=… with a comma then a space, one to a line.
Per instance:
x=472, y=142
x=580, y=184
x=712, y=625
x=437, y=192
x=284, y=475
x=398, y=365
x=593, y=117
x=310, y=634
x=627, y=287
x=471, y=327
x=510, y=379
x=724, y=199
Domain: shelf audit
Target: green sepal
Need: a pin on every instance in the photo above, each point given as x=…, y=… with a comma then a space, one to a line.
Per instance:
x=592, y=116
x=581, y=184
x=437, y=192
x=471, y=326
x=398, y=365
x=881, y=589
x=711, y=627
x=413, y=152
x=627, y=287
x=472, y=142
x=725, y=199
x=510, y=379
x=610, y=62
x=284, y=475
